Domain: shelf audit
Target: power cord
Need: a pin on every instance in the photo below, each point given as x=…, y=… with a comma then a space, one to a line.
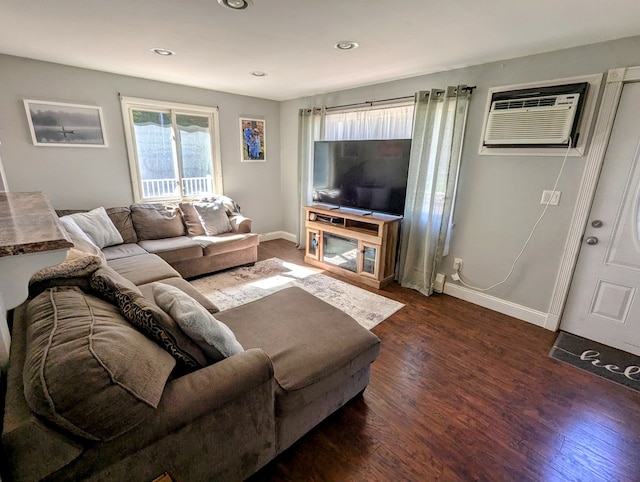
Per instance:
x=457, y=277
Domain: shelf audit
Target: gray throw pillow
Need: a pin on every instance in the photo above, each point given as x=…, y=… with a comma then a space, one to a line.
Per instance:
x=214, y=337
x=98, y=226
x=213, y=217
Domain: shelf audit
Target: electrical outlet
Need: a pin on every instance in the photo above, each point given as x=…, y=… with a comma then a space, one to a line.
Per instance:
x=457, y=264
x=552, y=197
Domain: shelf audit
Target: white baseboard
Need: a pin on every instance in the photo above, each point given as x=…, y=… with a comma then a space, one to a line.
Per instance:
x=496, y=304
x=278, y=235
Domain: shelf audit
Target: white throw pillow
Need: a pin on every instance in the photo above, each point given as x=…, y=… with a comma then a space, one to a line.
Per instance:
x=78, y=237
x=213, y=217
x=98, y=226
x=214, y=337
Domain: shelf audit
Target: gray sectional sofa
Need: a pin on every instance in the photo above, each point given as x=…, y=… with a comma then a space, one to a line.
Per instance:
x=104, y=385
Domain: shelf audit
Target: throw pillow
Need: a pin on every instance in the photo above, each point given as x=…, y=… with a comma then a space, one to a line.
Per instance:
x=213, y=217
x=148, y=318
x=86, y=369
x=214, y=337
x=78, y=237
x=98, y=227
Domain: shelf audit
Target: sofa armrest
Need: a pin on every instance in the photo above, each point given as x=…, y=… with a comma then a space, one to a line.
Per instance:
x=200, y=410
x=193, y=395
x=240, y=224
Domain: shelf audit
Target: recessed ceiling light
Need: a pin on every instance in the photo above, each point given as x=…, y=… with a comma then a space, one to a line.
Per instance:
x=235, y=4
x=163, y=52
x=257, y=73
x=346, y=45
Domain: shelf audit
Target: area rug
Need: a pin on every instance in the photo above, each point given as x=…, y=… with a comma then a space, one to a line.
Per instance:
x=614, y=365
x=242, y=285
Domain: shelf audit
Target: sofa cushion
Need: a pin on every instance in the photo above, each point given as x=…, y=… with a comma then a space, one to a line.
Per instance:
x=227, y=242
x=184, y=285
x=118, y=375
x=121, y=217
x=214, y=337
x=156, y=221
x=192, y=220
x=173, y=249
x=313, y=346
x=213, y=217
x=98, y=226
x=123, y=251
x=144, y=268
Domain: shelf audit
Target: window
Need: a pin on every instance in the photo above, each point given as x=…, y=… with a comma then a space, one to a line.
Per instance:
x=174, y=150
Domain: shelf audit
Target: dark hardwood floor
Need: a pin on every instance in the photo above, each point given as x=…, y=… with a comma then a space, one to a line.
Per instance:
x=460, y=392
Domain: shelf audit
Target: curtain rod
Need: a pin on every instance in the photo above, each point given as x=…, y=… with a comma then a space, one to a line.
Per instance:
x=370, y=103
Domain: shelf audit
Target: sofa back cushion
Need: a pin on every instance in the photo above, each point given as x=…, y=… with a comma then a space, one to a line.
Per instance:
x=192, y=220
x=156, y=221
x=87, y=369
x=121, y=217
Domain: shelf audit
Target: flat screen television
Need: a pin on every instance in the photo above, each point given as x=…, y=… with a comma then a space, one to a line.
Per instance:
x=368, y=175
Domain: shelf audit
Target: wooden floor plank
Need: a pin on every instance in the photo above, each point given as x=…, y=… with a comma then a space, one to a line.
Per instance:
x=463, y=393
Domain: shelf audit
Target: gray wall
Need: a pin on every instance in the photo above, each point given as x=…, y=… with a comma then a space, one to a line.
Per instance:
x=499, y=196
x=81, y=177
x=498, y=199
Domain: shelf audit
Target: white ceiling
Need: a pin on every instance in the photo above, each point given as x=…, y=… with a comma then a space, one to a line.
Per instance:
x=292, y=40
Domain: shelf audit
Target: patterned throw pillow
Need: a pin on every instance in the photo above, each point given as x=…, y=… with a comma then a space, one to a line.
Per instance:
x=148, y=318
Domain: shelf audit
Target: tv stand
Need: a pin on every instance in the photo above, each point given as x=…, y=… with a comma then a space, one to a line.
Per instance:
x=358, y=246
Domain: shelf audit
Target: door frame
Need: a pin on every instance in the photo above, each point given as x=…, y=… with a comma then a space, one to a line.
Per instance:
x=616, y=78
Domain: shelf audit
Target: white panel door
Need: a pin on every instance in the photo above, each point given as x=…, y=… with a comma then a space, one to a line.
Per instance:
x=604, y=302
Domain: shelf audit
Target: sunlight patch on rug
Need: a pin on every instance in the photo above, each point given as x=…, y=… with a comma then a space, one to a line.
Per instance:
x=243, y=285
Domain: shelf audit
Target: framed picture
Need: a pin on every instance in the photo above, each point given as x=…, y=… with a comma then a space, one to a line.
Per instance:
x=253, y=141
x=65, y=125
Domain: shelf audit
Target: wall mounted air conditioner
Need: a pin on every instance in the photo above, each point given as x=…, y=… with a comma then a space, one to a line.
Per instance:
x=545, y=116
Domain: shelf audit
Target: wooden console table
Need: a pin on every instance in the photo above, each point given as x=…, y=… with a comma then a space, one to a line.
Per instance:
x=31, y=238
x=357, y=246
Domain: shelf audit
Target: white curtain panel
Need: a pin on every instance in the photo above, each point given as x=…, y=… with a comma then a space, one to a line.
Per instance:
x=438, y=131
x=378, y=122
x=310, y=129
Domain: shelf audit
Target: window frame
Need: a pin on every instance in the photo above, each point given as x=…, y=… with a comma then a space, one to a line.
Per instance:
x=129, y=104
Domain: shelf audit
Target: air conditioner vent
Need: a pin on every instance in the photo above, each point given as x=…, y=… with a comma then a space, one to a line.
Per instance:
x=546, y=116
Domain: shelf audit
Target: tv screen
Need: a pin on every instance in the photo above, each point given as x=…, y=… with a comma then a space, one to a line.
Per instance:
x=369, y=175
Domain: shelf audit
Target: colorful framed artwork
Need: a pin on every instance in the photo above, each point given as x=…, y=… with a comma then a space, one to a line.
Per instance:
x=253, y=140
x=65, y=125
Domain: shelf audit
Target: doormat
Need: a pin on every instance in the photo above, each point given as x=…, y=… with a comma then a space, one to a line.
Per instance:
x=615, y=365
x=238, y=286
